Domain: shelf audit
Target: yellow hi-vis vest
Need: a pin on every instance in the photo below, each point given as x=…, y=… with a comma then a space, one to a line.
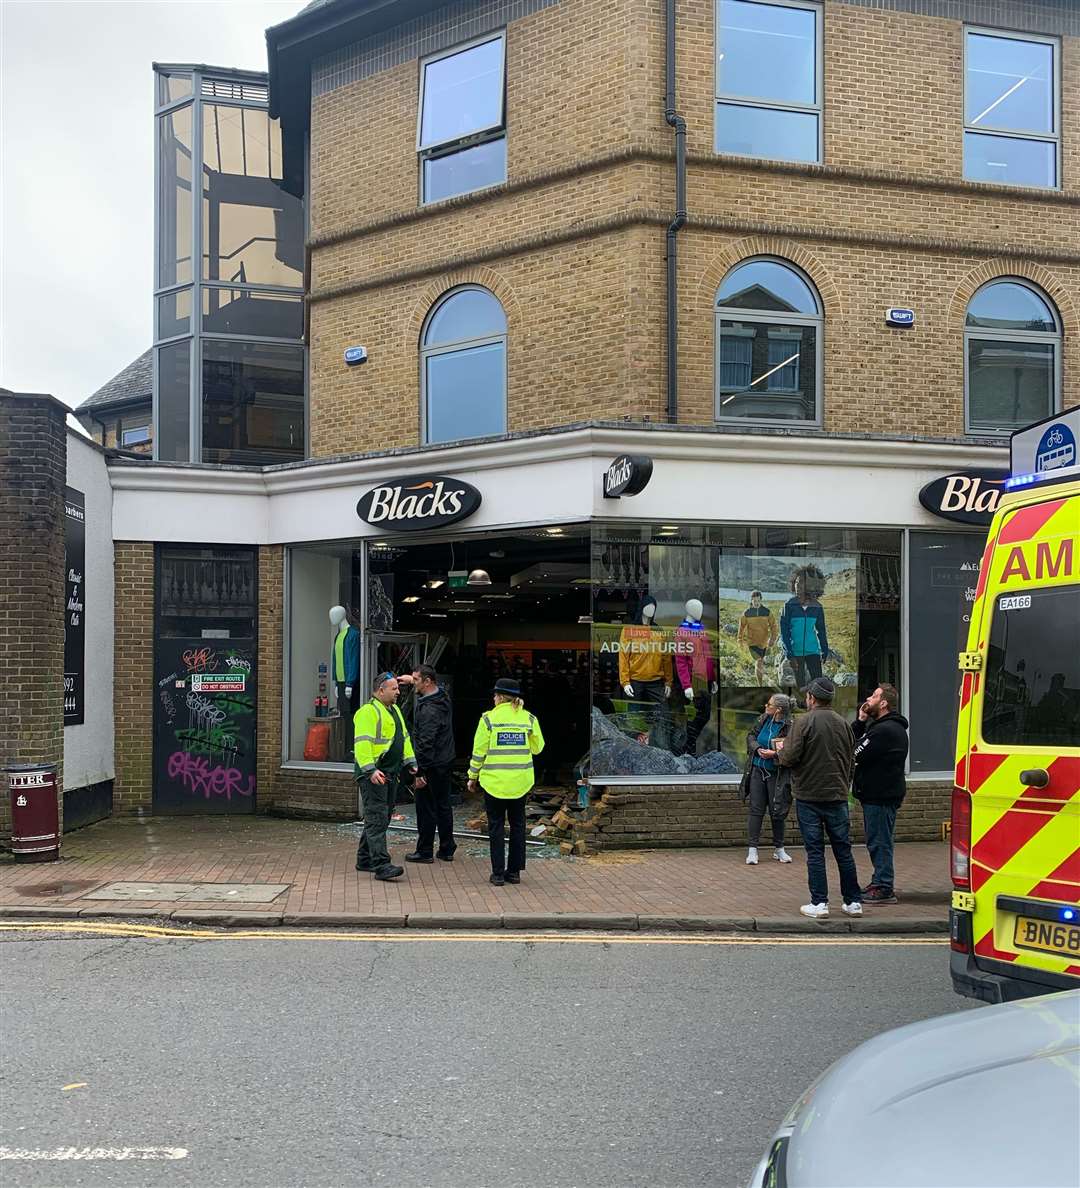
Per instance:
x=503, y=749
x=374, y=727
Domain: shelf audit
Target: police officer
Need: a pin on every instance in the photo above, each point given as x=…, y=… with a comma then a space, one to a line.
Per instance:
x=381, y=748
x=507, y=738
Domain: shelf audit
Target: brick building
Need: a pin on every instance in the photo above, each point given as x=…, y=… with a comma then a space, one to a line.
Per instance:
x=538, y=236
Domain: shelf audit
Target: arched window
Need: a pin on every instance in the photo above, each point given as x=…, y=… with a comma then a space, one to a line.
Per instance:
x=1012, y=357
x=463, y=367
x=768, y=345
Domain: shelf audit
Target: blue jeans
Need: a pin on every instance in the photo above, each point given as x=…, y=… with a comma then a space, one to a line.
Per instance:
x=879, y=821
x=817, y=818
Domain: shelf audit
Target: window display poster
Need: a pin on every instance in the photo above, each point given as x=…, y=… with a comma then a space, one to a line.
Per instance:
x=944, y=573
x=74, y=605
x=783, y=620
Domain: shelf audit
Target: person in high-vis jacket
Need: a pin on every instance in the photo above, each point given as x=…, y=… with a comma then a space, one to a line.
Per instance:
x=507, y=738
x=382, y=748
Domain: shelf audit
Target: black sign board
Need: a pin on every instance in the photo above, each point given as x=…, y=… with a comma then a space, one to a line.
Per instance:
x=418, y=502
x=966, y=496
x=627, y=475
x=74, y=604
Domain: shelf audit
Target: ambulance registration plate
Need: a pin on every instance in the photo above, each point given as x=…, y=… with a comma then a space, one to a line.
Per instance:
x=1046, y=936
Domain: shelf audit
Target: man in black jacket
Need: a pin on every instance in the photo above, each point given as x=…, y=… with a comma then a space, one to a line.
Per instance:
x=433, y=741
x=881, y=747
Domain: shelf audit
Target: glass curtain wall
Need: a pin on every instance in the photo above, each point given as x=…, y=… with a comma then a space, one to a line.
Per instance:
x=229, y=356
x=694, y=628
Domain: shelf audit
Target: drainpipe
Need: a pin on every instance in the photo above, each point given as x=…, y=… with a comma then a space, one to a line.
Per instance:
x=677, y=122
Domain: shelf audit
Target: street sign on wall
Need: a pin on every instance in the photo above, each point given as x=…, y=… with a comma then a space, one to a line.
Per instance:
x=74, y=605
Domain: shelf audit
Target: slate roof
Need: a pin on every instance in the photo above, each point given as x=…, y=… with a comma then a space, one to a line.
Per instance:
x=135, y=382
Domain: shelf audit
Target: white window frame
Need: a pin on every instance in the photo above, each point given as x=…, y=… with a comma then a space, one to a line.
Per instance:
x=1009, y=133
x=723, y=313
x=486, y=135
x=1054, y=338
x=776, y=105
x=143, y=427
x=449, y=348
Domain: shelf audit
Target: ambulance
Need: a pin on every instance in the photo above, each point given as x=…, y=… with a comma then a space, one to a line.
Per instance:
x=1015, y=846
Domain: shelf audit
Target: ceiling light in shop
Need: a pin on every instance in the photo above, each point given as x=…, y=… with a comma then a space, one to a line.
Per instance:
x=437, y=615
x=434, y=584
x=479, y=577
x=670, y=527
x=798, y=544
x=412, y=598
x=464, y=601
x=554, y=531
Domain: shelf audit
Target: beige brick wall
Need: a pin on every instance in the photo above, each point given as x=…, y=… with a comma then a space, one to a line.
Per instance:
x=574, y=243
x=133, y=680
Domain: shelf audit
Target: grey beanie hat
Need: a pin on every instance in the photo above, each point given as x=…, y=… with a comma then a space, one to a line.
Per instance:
x=821, y=688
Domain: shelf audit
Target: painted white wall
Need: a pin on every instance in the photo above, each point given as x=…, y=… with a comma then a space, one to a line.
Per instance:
x=314, y=589
x=557, y=478
x=88, y=748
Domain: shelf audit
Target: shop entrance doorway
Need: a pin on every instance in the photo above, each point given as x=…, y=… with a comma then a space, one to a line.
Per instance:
x=513, y=605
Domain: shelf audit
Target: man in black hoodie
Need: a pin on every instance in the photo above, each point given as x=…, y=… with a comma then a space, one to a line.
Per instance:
x=881, y=747
x=433, y=741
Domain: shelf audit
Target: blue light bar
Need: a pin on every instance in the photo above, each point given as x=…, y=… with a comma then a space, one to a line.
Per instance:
x=1069, y=915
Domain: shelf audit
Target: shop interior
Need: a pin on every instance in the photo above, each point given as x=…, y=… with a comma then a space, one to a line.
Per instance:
x=478, y=609
x=490, y=607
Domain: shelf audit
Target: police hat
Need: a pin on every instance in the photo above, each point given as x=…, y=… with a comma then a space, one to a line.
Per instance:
x=508, y=687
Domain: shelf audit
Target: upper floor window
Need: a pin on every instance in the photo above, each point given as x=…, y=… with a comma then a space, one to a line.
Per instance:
x=463, y=367
x=461, y=136
x=1011, y=109
x=136, y=435
x=768, y=345
x=1012, y=356
x=768, y=79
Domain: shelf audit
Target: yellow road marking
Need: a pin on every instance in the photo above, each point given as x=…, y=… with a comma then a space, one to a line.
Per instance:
x=74, y=1085
x=154, y=931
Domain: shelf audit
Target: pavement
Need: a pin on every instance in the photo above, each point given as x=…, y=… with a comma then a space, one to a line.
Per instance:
x=263, y=871
x=418, y=1060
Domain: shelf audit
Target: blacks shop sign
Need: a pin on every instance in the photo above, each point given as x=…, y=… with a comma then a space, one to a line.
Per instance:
x=74, y=604
x=627, y=475
x=966, y=496
x=418, y=502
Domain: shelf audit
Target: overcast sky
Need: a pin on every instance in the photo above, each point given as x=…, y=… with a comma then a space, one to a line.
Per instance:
x=77, y=173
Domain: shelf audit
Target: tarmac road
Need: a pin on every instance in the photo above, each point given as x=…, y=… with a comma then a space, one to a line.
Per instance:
x=464, y=1062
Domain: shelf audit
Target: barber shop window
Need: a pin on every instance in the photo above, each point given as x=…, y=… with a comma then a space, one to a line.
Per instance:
x=1012, y=344
x=768, y=79
x=1012, y=104
x=463, y=367
x=768, y=345
x=461, y=134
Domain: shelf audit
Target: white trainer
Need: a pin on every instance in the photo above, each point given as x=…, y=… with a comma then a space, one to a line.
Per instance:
x=781, y=855
x=751, y=856
x=817, y=911
x=853, y=909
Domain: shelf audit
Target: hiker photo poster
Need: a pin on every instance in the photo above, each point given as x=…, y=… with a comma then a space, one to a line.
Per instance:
x=783, y=620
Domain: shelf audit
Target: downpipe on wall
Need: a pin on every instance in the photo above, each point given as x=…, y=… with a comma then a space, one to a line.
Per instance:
x=677, y=122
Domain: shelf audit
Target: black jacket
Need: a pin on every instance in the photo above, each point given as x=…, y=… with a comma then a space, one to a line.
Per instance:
x=881, y=748
x=433, y=730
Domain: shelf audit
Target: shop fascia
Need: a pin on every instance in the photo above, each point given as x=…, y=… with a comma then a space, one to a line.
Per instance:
x=556, y=478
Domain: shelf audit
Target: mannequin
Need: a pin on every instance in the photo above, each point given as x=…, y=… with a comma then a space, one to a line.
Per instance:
x=696, y=667
x=645, y=671
x=344, y=660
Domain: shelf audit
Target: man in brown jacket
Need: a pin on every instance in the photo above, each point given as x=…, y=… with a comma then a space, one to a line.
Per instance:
x=819, y=751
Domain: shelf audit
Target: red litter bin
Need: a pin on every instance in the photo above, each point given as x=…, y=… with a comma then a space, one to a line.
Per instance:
x=35, y=816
